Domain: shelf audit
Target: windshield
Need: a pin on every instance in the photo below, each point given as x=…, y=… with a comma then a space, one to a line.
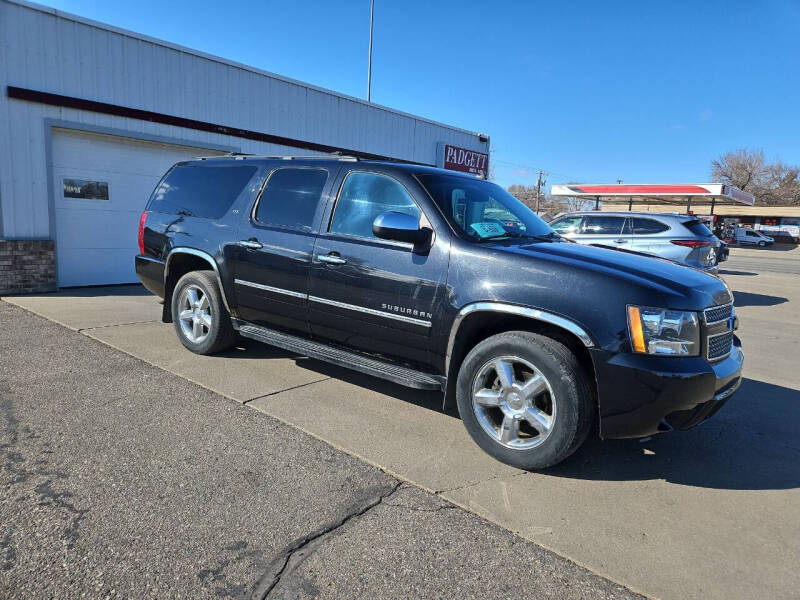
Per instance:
x=482, y=211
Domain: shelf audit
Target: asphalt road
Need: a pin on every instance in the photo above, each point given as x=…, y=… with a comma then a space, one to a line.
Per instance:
x=120, y=479
x=778, y=259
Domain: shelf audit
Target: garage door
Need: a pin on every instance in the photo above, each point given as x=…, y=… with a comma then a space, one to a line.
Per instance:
x=102, y=184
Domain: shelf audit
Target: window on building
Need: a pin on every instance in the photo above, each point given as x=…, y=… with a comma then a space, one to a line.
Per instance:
x=363, y=197
x=200, y=191
x=291, y=197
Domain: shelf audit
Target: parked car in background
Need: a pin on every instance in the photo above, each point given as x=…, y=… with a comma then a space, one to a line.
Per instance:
x=681, y=238
x=751, y=237
x=723, y=251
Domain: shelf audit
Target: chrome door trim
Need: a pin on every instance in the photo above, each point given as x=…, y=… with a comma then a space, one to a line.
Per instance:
x=205, y=256
x=531, y=313
x=370, y=311
x=269, y=288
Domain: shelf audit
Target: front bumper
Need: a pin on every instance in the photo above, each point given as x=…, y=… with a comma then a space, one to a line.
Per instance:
x=641, y=395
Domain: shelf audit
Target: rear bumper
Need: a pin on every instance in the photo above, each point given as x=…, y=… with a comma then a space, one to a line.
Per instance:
x=151, y=273
x=642, y=395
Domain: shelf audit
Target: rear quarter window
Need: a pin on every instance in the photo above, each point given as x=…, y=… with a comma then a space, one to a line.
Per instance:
x=200, y=191
x=698, y=228
x=648, y=226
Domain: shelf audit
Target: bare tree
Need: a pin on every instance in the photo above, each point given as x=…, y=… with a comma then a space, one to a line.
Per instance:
x=773, y=184
x=743, y=168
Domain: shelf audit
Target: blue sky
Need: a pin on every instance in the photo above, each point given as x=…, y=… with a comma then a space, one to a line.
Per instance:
x=588, y=91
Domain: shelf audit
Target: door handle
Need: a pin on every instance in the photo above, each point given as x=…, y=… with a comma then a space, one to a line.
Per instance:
x=331, y=259
x=251, y=243
x=621, y=241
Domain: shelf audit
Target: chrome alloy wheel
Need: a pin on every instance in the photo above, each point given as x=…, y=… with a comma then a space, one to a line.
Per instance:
x=513, y=402
x=195, y=314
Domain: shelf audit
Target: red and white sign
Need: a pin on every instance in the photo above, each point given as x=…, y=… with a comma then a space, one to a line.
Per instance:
x=466, y=161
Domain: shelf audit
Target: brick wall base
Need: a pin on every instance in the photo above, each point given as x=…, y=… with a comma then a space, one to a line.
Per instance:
x=27, y=266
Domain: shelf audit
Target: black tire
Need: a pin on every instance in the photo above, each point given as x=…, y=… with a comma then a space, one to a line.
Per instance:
x=569, y=395
x=762, y=243
x=220, y=335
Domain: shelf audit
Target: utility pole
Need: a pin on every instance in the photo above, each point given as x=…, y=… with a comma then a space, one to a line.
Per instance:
x=369, y=59
x=539, y=183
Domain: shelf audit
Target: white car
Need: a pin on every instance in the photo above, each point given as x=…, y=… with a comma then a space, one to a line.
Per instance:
x=745, y=235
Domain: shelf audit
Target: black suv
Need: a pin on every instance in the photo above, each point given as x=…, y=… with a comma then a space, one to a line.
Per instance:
x=437, y=280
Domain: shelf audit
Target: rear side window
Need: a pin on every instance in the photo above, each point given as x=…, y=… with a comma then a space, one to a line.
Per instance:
x=698, y=228
x=291, y=197
x=648, y=226
x=593, y=225
x=200, y=191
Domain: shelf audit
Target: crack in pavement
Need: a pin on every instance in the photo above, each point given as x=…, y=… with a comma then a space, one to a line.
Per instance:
x=82, y=329
x=277, y=567
x=289, y=389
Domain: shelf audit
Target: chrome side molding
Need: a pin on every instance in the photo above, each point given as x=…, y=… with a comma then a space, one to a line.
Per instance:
x=513, y=309
x=205, y=256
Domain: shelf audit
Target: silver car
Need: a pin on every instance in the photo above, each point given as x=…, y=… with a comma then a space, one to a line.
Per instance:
x=682, y=238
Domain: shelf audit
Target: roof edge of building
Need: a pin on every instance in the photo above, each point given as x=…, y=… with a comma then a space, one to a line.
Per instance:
x=221, y=60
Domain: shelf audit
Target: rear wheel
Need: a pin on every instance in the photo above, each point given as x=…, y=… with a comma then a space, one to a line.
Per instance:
x=524, y=399
x=201, y=321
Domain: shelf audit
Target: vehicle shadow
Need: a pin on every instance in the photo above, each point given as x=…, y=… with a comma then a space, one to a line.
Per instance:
x=728, y=272
x=750, y=299
x=125, y=289
x=432, y=400
x=751, y=444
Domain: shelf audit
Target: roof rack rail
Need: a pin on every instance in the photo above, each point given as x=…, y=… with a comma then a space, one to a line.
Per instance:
x=244, y=155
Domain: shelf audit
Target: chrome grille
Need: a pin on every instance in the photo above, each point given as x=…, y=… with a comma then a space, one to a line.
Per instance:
x=719, y=345
x=715, y=314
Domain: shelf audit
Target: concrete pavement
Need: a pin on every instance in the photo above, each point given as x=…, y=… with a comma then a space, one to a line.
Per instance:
x=709, y=513
x=121, y=480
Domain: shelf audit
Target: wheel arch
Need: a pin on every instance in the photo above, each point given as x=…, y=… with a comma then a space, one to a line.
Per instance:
x=478, y=321
x=181, y=261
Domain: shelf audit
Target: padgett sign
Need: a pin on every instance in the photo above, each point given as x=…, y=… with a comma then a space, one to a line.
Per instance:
x=466, y=161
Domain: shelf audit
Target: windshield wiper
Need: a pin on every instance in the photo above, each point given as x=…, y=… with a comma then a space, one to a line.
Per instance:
x=548, y=237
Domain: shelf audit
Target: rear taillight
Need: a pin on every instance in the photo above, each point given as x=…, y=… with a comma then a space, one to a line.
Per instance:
x=142, y=221
x=690, y=243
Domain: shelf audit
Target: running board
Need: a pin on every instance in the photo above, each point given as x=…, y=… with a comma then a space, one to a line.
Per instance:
x=344, y=358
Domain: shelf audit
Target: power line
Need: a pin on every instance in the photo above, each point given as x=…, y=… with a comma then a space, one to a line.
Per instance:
x=532, y=168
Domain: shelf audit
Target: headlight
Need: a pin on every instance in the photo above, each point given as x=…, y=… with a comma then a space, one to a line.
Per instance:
x=664, y=332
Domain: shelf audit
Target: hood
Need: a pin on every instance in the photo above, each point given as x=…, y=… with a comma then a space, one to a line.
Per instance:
x=684, y=287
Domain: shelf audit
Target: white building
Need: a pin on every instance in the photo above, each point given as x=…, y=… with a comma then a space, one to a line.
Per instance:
x=91, y=116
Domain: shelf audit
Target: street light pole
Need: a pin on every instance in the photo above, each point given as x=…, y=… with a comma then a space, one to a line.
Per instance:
x=369, y=60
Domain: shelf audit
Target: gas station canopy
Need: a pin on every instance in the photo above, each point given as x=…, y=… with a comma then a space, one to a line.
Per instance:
x=679, y=194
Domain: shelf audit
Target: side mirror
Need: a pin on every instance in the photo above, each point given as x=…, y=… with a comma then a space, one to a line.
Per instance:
x=401, y=227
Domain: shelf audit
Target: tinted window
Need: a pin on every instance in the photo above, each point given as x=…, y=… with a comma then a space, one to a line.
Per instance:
x=363, y=197
x=290, y=198
x=698, y=228
x=200, y=191
x=567, y=224
x=596, y=225
x=480, y=210
x=648, y=226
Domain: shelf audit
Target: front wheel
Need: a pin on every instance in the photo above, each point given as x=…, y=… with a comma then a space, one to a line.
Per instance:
x=201, y=321
x=762, y=243
x=524, y=399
